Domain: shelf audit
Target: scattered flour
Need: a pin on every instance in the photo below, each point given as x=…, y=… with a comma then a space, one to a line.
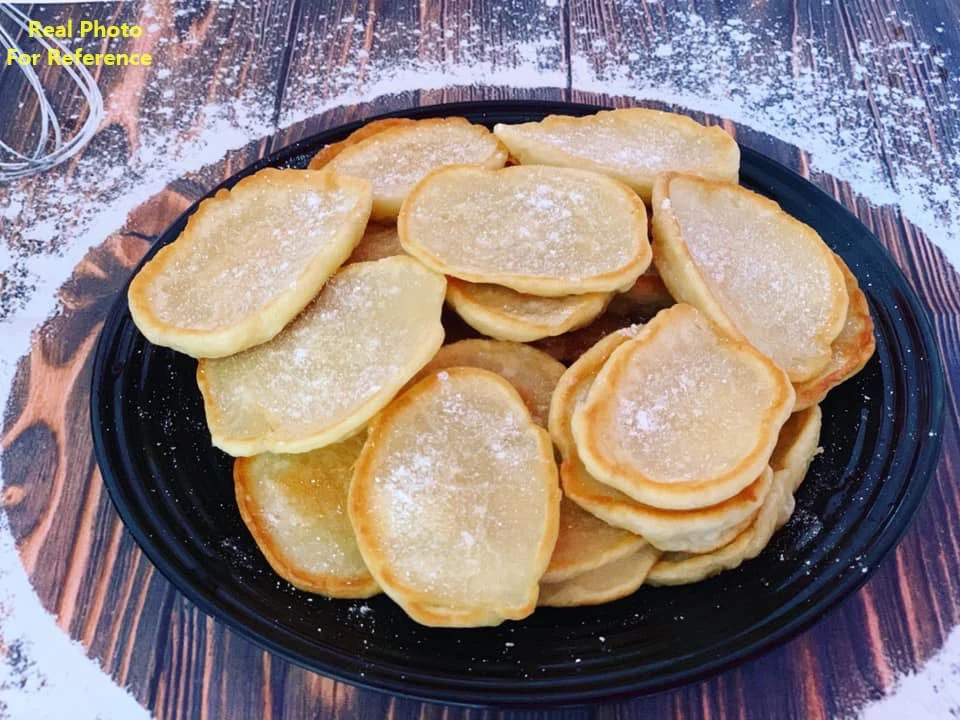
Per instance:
x=933, y=692
x=844, y=109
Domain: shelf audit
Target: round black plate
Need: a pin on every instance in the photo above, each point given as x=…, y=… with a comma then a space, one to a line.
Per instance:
x=880, y=438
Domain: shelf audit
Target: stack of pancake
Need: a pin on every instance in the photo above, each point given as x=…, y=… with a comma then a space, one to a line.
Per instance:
x=641, y=411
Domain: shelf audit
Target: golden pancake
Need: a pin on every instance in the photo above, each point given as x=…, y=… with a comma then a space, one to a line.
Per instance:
x=372, y=327
x=796, y=447
x=396, y=158
x=682, y=568
x=698, y=530
x=378, y=242
x=368, y=130
x=682, y=416
x=532, y=373
x=851, y=350
x=632, y=145
x=295, y=506
x=571, y=389
x=585, y=543
x=455, y=501
x=537, y=230
x=506, y=314
x=757, y=272
x=604, y=584
x=249, y=259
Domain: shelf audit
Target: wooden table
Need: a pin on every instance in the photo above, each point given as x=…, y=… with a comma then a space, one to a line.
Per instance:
x=180, y=663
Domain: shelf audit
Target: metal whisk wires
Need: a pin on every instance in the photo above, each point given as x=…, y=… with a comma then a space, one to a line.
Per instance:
x=52, y=145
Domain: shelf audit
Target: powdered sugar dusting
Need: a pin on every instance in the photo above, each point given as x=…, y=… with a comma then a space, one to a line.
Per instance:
x=736, y=69
x=456, y=488
x=637, y=148
x=371, y=328
x=933, y=692
x=687, y=404
x=260, y=238
x=850, y=111
x=398, y=163
x=773, y=277
x=525, y=222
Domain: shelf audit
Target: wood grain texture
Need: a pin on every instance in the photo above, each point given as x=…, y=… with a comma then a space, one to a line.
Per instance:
x=180, y=663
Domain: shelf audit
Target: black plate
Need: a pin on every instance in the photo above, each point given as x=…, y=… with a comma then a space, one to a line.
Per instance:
x=881, y=434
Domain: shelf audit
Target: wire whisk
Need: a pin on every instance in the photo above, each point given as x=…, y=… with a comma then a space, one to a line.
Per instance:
x=52, y=146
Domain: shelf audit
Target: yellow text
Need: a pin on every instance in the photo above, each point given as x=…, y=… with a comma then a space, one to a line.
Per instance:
x=79, y=57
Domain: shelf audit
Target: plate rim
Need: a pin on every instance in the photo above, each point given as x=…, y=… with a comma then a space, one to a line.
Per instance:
x=479, y=692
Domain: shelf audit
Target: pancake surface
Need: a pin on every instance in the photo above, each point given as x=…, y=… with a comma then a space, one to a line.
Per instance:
x=377, y=243
x=683, y=416
x=532, y=373
x=455, y=501
x=606, y=583
x=506, y=314
x=329, y=152
x=295, y=506
x=850, y=351
x=632, y=145
x=796, y=447
x=277, y=234
x=572, y=388
x=585, y=543
x=537, y=230
x=373, y=326
x=751, y=268
x=683, y=568
x=699, y=530
x=396, y=158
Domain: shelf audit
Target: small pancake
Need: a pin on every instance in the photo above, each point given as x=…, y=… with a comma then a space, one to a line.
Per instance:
x=572, y=388
x=378, y=242
x=295, y=506
x=682, y=416
x=585, y=543
x=757, y=272
x=682, y=568
x=796, y=447
x=632, y=145
x=372, y=327
x=606, y=583
x=455, y=501
x=851, y=350
x=506, y=314
x=699, y=530
x=329, y=152
x=249, y=259
x=537, y=230
x=394, y=159
x=533, y=373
